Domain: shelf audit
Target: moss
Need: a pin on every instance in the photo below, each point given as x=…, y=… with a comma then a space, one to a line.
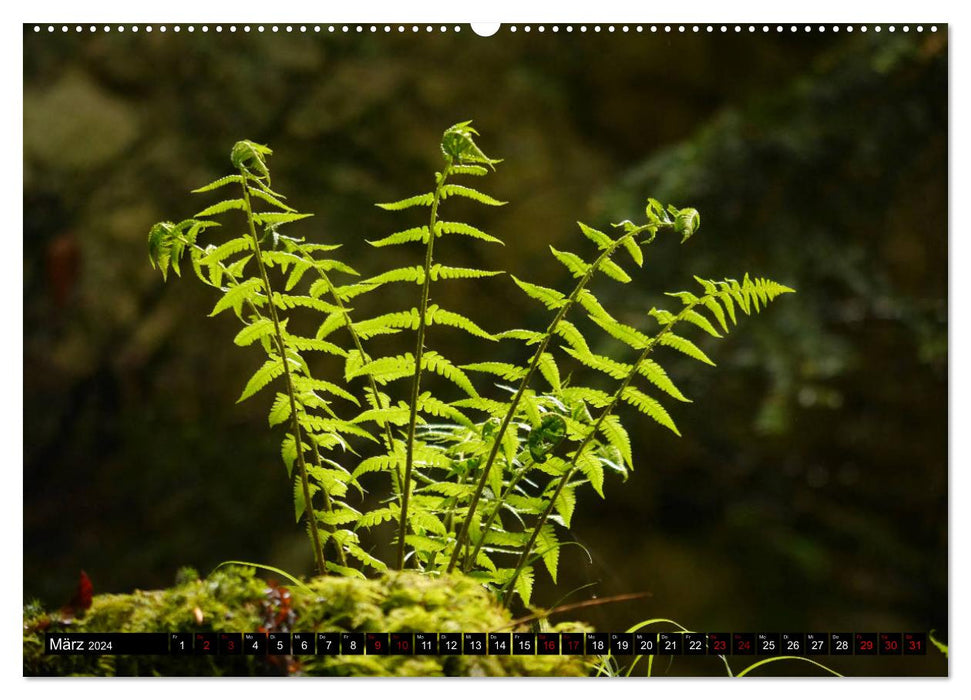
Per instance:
x=235, y=600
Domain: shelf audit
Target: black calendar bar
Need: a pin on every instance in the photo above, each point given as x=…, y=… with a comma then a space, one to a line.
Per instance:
x=764, y=644
x=104, y=643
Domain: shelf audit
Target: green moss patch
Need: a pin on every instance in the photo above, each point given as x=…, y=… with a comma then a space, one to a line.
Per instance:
x=235, y=600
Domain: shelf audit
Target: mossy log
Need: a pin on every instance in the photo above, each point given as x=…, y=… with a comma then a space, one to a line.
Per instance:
x=236, y=600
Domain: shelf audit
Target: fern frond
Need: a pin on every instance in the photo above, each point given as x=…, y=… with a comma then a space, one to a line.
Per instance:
x=616, y=435
x=622, y=332
x=656, y=375
x=550, y=298
x=444, y=272
x=649, y=406
x=236, y=295
x=290, y=301
x=572, y=335
x=505, y=370
x=250, y=334
x=415, y=274
x=601, y=363
x=573, y=262
x=434, y=362
x=269, y=198
x=469, y=193
x=600, y=239
x=685, y=346
x=270, y=370
x=384, y=369
x=223, y=206
x=548, y=546
x=216, y=184
x=280, y=412
x=387, y=324
x=458, y=228
x=443, y=317
x=419, y=200
x=412, y=235
x=272, y=218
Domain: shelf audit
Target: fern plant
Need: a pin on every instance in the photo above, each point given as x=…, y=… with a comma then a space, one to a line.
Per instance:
x=481, y=478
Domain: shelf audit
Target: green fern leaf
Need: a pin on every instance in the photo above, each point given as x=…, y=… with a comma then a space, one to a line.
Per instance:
x=565, y=504
x=601, y=363
x=509, y=372
x=622, y=332
x=593, y=470
x=593, y=307
x=387, y=324
x=550, y=298
x=384, y=369
x=458, y=228
x=549, y=370
x=220, y=207
x=524, y=584
x=439, y=316
x=236, y=295
x=600, y=239
x=649, y=406
x=616, y=435
x=217, y=254
x=433, y=362
x=378, y=516
x=571, y=334
x=692, y=316
x=548, y=547
x=414, y=274
x=419, y=200
x=346, y=571
x=269, y=198
x=290, y=301
x=333, y=321
x=574, y=263
x=366, y=559
x=528, y=337
x=253, y=332
x=614, y=271
x=443, y=272
x=636, y=254
x=270, y=370
x=216, y=184
x=412, y=235
x=476, y=170
x=280, y=412
x=469, y=193
x=311, y=384
x=716, y=310
x=656, y=375
x=685, y=346
x=314, y=345
x=430, y=405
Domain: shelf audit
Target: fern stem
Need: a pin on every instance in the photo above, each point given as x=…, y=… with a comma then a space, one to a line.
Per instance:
x=356, y=339
x=419, y=352
x=523, y=385
x=591, y=434
x=328, y=506
x=281, y=345
x=517, y=477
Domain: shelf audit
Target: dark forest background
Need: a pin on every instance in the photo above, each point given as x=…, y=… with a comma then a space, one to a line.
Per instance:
x=809, y=491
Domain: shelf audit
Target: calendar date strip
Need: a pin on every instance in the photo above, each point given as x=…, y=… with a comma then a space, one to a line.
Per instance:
x=488, y=643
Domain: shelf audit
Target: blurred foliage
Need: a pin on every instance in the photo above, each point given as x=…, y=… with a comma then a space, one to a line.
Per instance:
x=818, y=158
